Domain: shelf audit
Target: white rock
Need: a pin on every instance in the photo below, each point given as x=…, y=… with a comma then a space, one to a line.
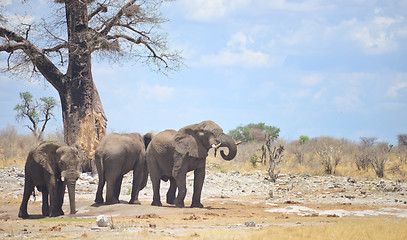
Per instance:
x=102, y=221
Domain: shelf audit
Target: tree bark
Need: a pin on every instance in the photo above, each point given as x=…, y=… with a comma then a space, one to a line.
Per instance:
x=83, y=115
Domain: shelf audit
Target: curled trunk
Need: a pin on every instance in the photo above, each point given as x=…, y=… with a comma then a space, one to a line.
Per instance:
x=229, y=143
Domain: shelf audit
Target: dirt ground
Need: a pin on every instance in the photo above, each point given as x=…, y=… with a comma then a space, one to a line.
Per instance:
x=239, y=215
x=245, y=214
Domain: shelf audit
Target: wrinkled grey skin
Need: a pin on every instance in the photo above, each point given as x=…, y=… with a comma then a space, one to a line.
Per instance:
x=116, y=155
x=172, y=154
x=50, y=168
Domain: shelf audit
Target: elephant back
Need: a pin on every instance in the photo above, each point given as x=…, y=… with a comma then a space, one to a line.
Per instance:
x=162, y=143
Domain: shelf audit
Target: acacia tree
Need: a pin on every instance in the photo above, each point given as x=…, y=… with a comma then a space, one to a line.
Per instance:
x=254, y=132
x=36, y=112
x=60, y=48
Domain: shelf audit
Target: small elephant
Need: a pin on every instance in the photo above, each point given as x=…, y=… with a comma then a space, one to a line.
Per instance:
x=116, y=155
x=172, y=154
x=50, y=167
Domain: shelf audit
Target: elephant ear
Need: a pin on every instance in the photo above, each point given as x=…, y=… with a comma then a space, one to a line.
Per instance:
x=45, y=155
x=187, y=141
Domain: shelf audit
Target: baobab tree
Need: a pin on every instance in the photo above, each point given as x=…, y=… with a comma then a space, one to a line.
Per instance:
x=60, y=47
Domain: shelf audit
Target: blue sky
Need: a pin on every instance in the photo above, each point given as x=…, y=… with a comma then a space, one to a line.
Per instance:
x=309, y=67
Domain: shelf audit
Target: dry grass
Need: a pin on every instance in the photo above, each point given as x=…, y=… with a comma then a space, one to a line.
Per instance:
x=14, y=148
x=396, y=167
x=347, y=228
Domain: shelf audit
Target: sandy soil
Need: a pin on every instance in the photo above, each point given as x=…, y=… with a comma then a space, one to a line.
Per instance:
x=246, y=212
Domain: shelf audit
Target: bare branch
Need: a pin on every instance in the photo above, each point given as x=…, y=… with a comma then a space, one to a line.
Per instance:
x=139, y=40
x=113, y=20
x=28, y=30
x=143, y=34
x=36, y=56
x=56, y=48
x=101, y=8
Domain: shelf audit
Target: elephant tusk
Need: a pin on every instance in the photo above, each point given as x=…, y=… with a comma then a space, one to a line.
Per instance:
x=62, y=179
x=216, y=146
x=239, y=142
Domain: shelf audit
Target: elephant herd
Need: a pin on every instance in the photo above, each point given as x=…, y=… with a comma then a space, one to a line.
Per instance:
x=168, y=155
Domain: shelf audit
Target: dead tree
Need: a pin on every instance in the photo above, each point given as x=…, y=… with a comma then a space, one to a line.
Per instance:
x=275, y=157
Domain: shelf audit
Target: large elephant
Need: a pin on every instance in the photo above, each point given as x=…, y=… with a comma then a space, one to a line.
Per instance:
x=172, y=154
x=116, y=155
x=50, y=167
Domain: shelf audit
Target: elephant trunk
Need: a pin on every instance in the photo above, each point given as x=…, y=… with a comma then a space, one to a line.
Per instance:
x=229, y=143
x=71, y=194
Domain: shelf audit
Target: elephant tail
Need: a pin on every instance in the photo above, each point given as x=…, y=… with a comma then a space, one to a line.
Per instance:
x=147, y=138
x=99, y=166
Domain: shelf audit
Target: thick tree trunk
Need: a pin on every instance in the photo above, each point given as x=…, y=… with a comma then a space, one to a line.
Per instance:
x=84, y=120
x=83, y=115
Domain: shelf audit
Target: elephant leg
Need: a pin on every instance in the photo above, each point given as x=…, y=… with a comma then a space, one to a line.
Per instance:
x=118, y=187
x=199, y=177
x=182, y=189
x=45, y=205
x=171, y=191
x=156, y=181
x=110, y=192
x=179, y=173
x=137, y=185
x=53, y=199
x=28, y=189
x=60, y=200
x=99, y=192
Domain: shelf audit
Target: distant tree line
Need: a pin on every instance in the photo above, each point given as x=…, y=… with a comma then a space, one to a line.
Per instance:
x=254, y=132
x=325, y=153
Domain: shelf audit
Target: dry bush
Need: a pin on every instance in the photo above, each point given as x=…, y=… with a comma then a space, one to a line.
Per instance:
x=342, y=159
x=380, y=158
x=329, y=151
x=14, y=148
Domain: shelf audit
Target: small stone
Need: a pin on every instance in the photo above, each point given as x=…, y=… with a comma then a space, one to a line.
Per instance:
x=102, y=221
x=250, y=224
x=350, y=196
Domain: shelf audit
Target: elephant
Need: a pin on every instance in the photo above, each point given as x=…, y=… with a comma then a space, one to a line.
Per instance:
x=171, y=154
x=116, y=155
x=50, y=167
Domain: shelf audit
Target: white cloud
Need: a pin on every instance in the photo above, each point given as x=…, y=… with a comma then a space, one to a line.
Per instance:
x=239, y=41
x=4, y=3
x=303, y=93
x=395, y=89
x=211, y=10
x=238, y=53
x=156, y=92
x=245, y=58
x=348, y=102
x=312, y=80
x=318, y=94
x=297, y=6
x=378, y=35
